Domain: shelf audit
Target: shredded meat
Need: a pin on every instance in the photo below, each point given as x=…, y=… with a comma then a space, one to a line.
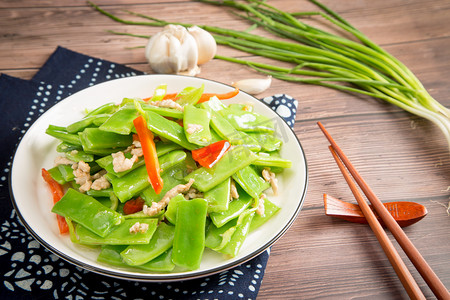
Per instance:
x=193, y=193
x=270, y=177
x=156, y=207
x=82, y=175
x=233, y=191
x=139, y=227
x=192, y=128
x=260, y=209
x=100, y=184
x=121, y=163
x=62, y=160
x=167, y=103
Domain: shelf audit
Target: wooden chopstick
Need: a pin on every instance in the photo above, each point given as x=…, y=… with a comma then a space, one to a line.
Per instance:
x=435, y=284
x=396, y=261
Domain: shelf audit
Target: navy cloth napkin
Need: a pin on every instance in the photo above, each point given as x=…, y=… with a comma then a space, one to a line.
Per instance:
x=30, y=271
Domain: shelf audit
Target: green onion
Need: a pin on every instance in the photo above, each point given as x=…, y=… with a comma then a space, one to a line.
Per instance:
x=318, y=57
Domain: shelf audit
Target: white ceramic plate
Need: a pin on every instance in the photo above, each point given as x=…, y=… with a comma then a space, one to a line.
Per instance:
x=33, y=201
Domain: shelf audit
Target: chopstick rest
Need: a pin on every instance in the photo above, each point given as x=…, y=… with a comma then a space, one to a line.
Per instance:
x=405, y=213
x=435, y=284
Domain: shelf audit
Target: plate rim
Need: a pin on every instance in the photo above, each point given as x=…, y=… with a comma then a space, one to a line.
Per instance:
x=159, y=277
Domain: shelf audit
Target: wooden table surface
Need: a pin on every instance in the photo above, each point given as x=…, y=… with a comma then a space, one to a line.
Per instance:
x=400, y=155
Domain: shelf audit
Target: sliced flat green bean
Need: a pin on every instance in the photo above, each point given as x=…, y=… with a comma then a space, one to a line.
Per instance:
x=248, y=121
x=169, y=130
x=94, y=139
x=119, y=235
x=196, y=125
x=218, y=197
x=235, y=208
x=88, y=212
x=251, y=181
x=121, y=122
x=78, y=156
x=161, y=241
x=237, y=239
x=171, y=211
x=270, y=209
x=162, y=263
x=189, y=236
x=272, y=161
x=268, y=142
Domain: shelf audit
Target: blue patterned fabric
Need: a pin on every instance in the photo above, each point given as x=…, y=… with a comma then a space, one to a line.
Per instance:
x=28, y=270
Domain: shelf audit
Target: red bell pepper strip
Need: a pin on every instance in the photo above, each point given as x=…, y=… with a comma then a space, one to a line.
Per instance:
x=133, y=206
x=57, y=193
x=205, y=96
x=208, y=156
x=149, y=150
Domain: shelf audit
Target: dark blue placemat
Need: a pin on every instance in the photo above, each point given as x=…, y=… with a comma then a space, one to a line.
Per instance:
x=28, y=270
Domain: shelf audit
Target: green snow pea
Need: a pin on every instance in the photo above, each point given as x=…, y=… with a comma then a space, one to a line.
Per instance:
x=110, y=254
x=248, y=121
x=55, y=173
x=107, y=108
x=251, y=181
x=88, y=212
x=218, y=237
x=159, y=92
x=234, y=159
x=84, y=123
x=100, y=120
x=189, y=237
x=66, y=172
x=121, y=122
x=119, y=235
x=101, y=193
x=77, y=156
x=168, y=129
x=162, y=263
x=62, y=134
x=235, y=208
x=160, y=242
x=270, y=209
x=166, y=147
x=272, y=161
x=237, y=239
x=193, y=116
x=67, y=147
x=268, y=142
x=171, y=211
x=190, y=95
x=136, y=181
x=95, y=139
x=226, y=131
x=218, y=197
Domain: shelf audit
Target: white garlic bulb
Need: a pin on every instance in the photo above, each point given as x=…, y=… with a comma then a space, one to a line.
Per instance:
x=173, y=50
x=206, y=44
x=253, y=86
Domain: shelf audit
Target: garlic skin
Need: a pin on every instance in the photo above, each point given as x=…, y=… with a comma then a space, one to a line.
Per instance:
x=173, y=51
x=253, y=86
x=206, y=44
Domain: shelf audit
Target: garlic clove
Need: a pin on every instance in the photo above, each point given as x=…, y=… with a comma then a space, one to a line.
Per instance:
x=253, y=86
x=172, y=50
x=206, y=44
